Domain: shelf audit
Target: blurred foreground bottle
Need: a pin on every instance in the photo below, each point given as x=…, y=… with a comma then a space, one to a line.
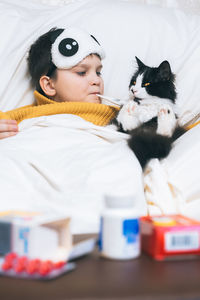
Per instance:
x=119, y=236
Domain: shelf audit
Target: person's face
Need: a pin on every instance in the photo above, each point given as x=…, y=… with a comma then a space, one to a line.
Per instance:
x=80, y=83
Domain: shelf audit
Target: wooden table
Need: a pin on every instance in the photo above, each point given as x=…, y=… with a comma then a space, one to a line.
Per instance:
x=99, y=278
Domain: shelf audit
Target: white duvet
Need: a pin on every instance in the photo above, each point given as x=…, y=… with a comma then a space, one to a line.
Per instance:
x=66, y=164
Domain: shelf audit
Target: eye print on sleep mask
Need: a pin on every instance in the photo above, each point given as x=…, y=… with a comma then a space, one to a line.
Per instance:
x=72, y=46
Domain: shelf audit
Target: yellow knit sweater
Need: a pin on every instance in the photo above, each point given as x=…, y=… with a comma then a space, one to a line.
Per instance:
x=98, y=114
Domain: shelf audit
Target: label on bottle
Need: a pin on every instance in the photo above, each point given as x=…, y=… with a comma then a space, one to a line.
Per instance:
x=119, y=238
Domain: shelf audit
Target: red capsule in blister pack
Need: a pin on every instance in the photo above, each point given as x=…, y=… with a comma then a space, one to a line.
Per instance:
x=11, y=256
x=59, y=264
x=33, y=266
x=45, y=267
x=7, y=265
x=9, y=261
x=20, y=264
x=23, y=267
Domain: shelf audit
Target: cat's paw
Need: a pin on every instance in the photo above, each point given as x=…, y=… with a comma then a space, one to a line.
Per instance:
x=130, y=108
x=128, y=116
x=147, y=111
x=166, y=121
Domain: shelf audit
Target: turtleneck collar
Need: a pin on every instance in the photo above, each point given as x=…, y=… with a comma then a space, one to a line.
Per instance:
x=98, y=114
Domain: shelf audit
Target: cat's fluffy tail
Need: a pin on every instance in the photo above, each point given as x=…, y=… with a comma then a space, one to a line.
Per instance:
x=146, y=145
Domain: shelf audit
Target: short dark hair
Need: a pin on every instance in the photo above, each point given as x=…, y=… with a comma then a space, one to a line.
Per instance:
x=39, y=57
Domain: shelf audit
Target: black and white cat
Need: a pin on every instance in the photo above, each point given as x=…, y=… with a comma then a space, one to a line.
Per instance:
x=149, y=115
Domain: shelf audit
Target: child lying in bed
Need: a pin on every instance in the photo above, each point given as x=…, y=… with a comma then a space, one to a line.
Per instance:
x=65, y=68
x=65, y=162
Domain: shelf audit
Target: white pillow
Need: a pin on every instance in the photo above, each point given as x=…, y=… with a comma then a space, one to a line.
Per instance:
x=124, y=29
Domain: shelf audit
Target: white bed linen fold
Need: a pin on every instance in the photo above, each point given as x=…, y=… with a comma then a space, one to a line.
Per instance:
x=67, y=164
x=173, y=184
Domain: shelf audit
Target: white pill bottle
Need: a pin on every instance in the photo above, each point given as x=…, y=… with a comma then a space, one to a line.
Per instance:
x=119, y=236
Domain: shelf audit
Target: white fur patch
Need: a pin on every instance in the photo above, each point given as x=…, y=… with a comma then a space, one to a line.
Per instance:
x=132, y=115
x=166, y=121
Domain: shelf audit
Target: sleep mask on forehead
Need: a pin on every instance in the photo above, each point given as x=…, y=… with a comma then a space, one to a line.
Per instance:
x=72, y=46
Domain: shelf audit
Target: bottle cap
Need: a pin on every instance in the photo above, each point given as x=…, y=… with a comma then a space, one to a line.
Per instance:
x=119, y=201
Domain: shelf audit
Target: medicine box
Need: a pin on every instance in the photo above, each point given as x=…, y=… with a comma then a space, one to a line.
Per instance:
x=170, y=236
x=35, y=235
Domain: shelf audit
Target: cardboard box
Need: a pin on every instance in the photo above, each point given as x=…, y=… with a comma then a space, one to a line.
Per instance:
x=40, y=235
x=170, y=236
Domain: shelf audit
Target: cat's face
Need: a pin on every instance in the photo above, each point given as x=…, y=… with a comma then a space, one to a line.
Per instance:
x=138, y=87
x=148, y=81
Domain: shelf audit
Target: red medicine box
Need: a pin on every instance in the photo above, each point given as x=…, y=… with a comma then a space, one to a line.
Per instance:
x=170, y=236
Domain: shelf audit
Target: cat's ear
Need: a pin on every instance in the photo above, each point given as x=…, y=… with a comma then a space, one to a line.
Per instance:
x=164, y=70
x=140, y=63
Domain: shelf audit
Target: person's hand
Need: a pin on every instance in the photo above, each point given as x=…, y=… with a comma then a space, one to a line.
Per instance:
x=8, y=128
